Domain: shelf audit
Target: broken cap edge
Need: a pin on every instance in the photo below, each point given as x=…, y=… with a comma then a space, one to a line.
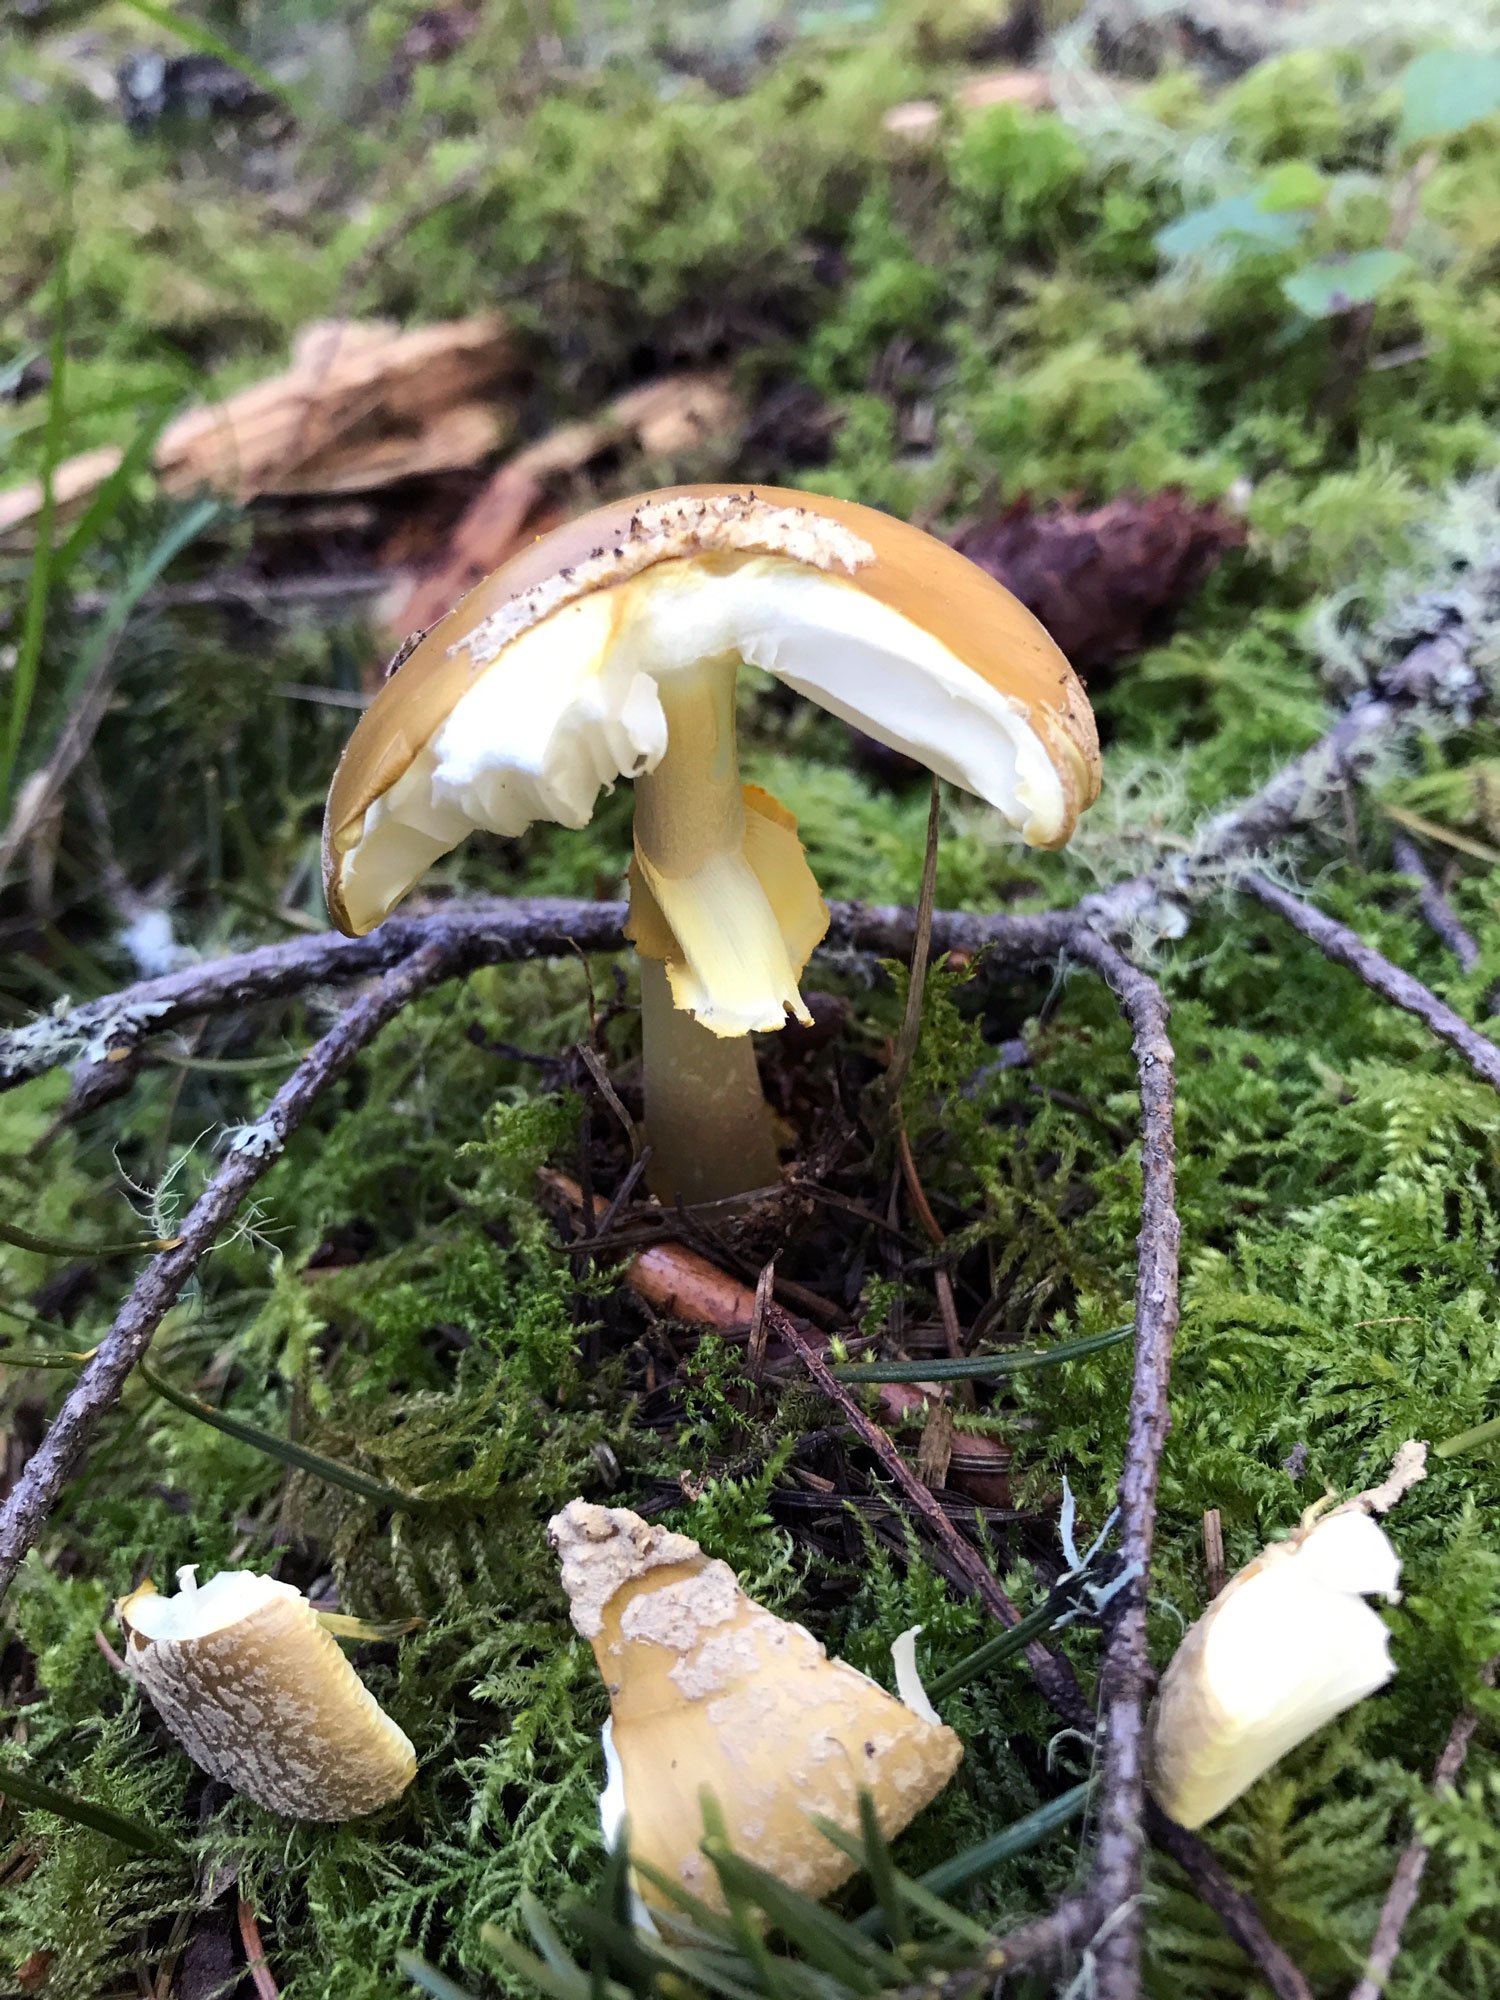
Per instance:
x=971, y=617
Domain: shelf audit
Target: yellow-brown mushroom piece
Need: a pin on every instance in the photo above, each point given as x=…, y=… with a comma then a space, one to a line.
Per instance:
x=610, y=649
x=258, y=1694
x=711, y=1693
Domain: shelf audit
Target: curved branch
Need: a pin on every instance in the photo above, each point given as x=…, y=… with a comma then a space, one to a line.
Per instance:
x=1126, y=1671
x=159, y=1285
x=1346, y=947
x=486, y=931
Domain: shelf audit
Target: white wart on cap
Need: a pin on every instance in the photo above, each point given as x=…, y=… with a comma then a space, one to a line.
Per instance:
x=259, y=1695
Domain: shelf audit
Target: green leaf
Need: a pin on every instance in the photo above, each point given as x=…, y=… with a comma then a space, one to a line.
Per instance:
x=174, y=538
x=107, y=498
x=983, y=1367
x=431, y=1981
x=1334, y=286
x=298, y=1456
x=1294, y=184
x=1238, y=217
x=824, y=1939
x=1446, y=90
x=1004, y=1646
x=882, y=1870
x=25, y=1791
x=526, y=1965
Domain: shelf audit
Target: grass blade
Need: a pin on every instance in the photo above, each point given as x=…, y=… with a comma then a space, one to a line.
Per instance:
x=431, y=1981
x=1485, y=1433
x=1004, y=1646
x=42, y=1357
x=39, y=589
x=962, y=1930
x=983, y=1367
x=174, y=538
x=1018, y=1838
x=882, y=1870
x=829, y=1943
x=297, y=1456
x=55, y=1246
x=105, y=501
x=24, y=1791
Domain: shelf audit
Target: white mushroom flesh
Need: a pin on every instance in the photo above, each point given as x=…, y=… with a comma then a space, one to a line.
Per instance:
x=570, y=705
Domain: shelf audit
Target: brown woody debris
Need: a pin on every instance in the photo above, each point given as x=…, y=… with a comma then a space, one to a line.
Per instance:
x=1107, y=583
x=661, y=419
x=362, y=405
x=683, y=1285
x=1029, y=88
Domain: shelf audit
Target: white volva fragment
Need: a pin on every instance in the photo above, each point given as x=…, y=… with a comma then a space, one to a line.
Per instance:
x=259, y=1695
x=1287, y=1645
x=908, y=1676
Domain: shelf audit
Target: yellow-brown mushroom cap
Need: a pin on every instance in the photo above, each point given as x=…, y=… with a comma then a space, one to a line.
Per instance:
x=538, y=688
x=709, y=1692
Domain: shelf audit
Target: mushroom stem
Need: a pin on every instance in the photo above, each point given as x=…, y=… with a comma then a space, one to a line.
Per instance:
x=707, y=1121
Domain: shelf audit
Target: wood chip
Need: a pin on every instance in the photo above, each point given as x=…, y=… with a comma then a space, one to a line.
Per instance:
x=935, y=1452
x=362, y=405
x=1029, y=88
x=1213, y=1551
x=661, y=419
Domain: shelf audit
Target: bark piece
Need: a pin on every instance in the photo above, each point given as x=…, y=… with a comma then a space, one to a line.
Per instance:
x=362, y=405
x=1107, y=583
x=660, y=419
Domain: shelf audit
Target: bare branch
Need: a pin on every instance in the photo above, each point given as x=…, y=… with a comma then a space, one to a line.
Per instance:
x=98, y=1387
x=1345, y=947
x=1441, y=917
x=487, y=931
x=1126, y=1672
x=1401, y=1897
x=1053, y=1675
x=1233, y=1908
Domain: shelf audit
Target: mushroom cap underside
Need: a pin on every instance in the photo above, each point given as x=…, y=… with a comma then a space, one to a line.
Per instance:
x=537, y=689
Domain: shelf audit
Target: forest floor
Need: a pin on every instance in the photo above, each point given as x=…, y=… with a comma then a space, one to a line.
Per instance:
x=1186, y=323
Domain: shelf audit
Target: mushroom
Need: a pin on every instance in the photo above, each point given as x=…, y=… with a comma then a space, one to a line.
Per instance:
x=710, y=1693
x=610, y=648
x=257, y=1692
x=1288, y=1644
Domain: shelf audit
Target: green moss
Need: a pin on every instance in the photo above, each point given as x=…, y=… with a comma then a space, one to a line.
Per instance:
x=989, y=316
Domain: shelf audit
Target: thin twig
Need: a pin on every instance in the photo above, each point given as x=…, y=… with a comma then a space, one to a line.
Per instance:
x=261, y=1977
x=1347, y=948
x=1125, y=1673
x=1436, y=675
x=1233, y=1908
x=264, y=595
x=1401, y=1897
x=1052, y=1673
x=481, y=932
x=156, y=1290
x=1047, y=1941
x=1442, y=919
